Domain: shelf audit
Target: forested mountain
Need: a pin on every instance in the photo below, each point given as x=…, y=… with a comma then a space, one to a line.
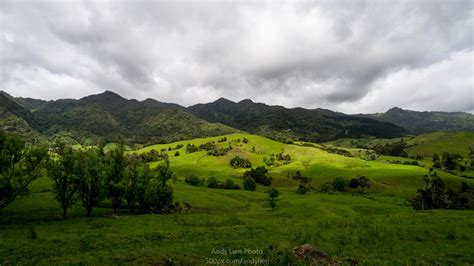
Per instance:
x=13, y=117
x=104, y=115
x=425, y=122
x=107, y=114
x=282, y=123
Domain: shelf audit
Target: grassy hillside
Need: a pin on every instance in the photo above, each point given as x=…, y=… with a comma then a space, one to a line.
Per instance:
x=376, y=227
x=452, y=142
x=392, y=179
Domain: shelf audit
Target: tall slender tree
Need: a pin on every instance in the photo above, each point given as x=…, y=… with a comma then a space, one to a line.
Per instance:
x=91, y=179
x=62, y=170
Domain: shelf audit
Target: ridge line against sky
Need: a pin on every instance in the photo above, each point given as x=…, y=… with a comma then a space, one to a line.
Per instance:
x=346, y=56
x=234, y=101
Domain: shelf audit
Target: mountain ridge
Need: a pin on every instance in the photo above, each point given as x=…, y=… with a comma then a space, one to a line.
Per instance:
x=106, y=113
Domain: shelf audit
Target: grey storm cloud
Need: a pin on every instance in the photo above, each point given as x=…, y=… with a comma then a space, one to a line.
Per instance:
x=350, y=56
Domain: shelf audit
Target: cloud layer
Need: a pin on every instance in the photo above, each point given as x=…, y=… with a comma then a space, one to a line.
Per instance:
x=350, y=56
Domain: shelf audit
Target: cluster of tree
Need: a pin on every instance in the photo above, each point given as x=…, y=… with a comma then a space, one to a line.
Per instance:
x=259, y=175
x=404, y=162
x=90, y=175
x=190, y=148
x=238, y=162
x=448, y=161
x=219, y=151
x=280, y=157
x=210, y=147
x=87, y=175
x=359, y=182
x=223, y=139
x=392, y=149
x=211, y=182
x=227, y=184
x=304, y=182
x=341, y=184
x=244, y=140
x=153, y=156
x=435, y=195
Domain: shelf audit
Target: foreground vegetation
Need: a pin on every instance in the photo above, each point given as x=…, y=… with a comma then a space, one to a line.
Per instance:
x=368, y=220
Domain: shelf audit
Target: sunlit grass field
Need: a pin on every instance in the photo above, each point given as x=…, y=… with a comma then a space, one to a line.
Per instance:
x=374, y=227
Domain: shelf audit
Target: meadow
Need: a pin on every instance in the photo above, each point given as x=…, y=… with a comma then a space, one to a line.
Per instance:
x=374, y=226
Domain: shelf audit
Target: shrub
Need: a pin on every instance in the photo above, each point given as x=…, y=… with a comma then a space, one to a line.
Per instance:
x=249, y=184
x=229, y=184
x=302, y=179
x=176, y=153
x=194, y=180
x=259, y=174
x=327, y=187
x=190, y=148
x=212, y=182
x=238, y=162
x=339, y=184
x=302, y=189
x=359, y=182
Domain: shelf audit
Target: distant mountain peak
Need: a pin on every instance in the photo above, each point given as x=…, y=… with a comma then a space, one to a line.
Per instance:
x=248, y=101
x=106, y=95
x=223, y=100
x=395, y=109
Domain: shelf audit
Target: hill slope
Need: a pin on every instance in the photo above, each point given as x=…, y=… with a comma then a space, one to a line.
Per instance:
x=278, y=122
x=321, y=166
x=424, y=122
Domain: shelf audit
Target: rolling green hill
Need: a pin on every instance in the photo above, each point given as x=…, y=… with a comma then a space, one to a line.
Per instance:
x=425, y=144
x=391, y=179
x=374, y=227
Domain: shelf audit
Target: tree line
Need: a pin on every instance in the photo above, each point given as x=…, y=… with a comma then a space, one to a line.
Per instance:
x=88, y=175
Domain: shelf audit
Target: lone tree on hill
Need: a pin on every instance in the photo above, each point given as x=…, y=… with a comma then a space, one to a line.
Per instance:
x=273, y=194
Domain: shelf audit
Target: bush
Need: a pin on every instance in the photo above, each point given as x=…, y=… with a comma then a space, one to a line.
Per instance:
x=238, y=162
x=302, y=189
x=229, y=184
x=327, y=187
x=249, y=184
x=339, y=184
x=176, y=153
x=302, y=179
x=194, y=180
x=359, y=182
x=212, y=182
x=259, y=174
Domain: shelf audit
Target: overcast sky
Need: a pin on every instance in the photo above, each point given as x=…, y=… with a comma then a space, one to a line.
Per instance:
x=349, y=56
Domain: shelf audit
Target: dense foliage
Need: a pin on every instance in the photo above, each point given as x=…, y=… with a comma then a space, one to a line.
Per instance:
x=435, y=195
x=259, y=175
x=19, y=166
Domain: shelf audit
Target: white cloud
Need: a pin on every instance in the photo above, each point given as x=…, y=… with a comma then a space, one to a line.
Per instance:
x=343, y=55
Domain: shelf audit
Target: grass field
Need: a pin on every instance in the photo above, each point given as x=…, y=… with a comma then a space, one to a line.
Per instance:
x=377, y=227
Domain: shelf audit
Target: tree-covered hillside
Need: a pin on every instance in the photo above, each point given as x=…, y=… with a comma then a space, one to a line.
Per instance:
x=424, y=122
x=278, y=122
x=107, y=114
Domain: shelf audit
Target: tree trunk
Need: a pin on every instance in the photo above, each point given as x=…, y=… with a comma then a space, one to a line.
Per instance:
x=64, y=212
